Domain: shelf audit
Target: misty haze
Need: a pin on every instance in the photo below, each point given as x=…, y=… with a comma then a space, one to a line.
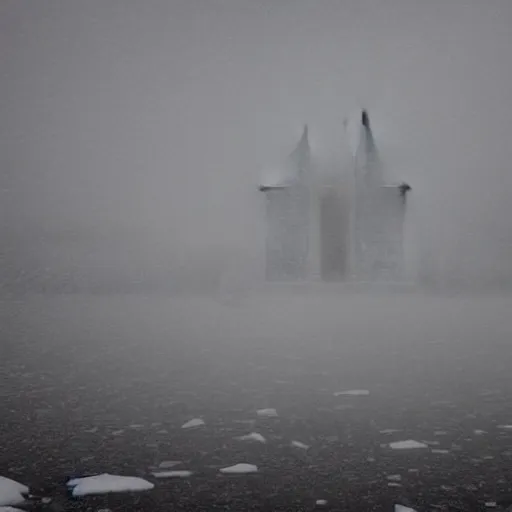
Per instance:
x=257, y=255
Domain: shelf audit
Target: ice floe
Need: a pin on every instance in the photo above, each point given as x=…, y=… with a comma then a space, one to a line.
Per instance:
x=107, y=483
x=389, y=431
x=11, y=509
x=168, y=464
x=196, y=422
x=353, y=392
x=505, y=427
x=321, y=502
x=440, y=451
x=298, y=444
x=240, y=469
x=253, y=436
x=409, y=444
x=267, y=413
x=183, y=473
x=11, y=492
x=479, y=432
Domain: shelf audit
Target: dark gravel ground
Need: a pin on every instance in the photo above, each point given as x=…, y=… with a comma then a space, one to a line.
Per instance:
x=77, y=402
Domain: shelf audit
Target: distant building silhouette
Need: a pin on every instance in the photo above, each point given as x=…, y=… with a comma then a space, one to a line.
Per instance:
x=288, y=218
x=378, y=216
x=360, y=229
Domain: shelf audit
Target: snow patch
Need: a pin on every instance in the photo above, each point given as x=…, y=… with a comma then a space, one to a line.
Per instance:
x=253, y=436
x=267, y=413
x=241, y=468
x=168, y=464
x=298, y=444
x=353, y=392
x=409, y=444
x=172, y=474
x=11, y=492
x=106, y=483
x=196, y=422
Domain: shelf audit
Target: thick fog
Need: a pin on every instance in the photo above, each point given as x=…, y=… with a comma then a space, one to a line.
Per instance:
x=134, y=134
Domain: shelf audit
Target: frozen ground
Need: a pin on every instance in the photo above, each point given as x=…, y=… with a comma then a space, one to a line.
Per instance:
x=98, y=384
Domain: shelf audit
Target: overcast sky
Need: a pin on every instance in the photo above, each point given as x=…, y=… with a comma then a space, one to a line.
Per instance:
x=133, y=133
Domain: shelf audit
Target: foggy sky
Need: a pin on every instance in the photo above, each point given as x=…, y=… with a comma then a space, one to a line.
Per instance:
x=133, y=133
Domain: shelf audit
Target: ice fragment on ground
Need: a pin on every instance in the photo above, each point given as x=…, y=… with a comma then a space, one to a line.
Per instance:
x=353, y=392
x=172, y=474
x=196, y=422
x=402, y=508
x=106, y=483
x=343, y=407
x=298, y=444
x=394, y=478
x=168, y=464
x=409, y=444
x=241, y=468
x=267, y=413
x=321, y=502
x=253, y=436
x=11, y=492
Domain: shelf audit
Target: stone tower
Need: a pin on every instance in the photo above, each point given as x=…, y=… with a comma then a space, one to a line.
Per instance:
x=288, y=218
x=378, y=216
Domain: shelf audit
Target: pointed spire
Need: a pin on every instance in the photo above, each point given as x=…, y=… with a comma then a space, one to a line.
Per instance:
x=365, y=120
x=305, y=134
x=367, y=160
x=301, y=154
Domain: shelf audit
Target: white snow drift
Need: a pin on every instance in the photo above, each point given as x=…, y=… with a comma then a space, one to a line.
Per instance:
x=267, y=413
x=409, y=444
x=11, y=492
x=106, y=483
x=176, y=473
x=253, y=436
x=353, y=392
x=239, y=469
x=196, y=422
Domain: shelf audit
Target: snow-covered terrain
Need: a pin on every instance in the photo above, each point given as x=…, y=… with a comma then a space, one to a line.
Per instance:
x=118, y=377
